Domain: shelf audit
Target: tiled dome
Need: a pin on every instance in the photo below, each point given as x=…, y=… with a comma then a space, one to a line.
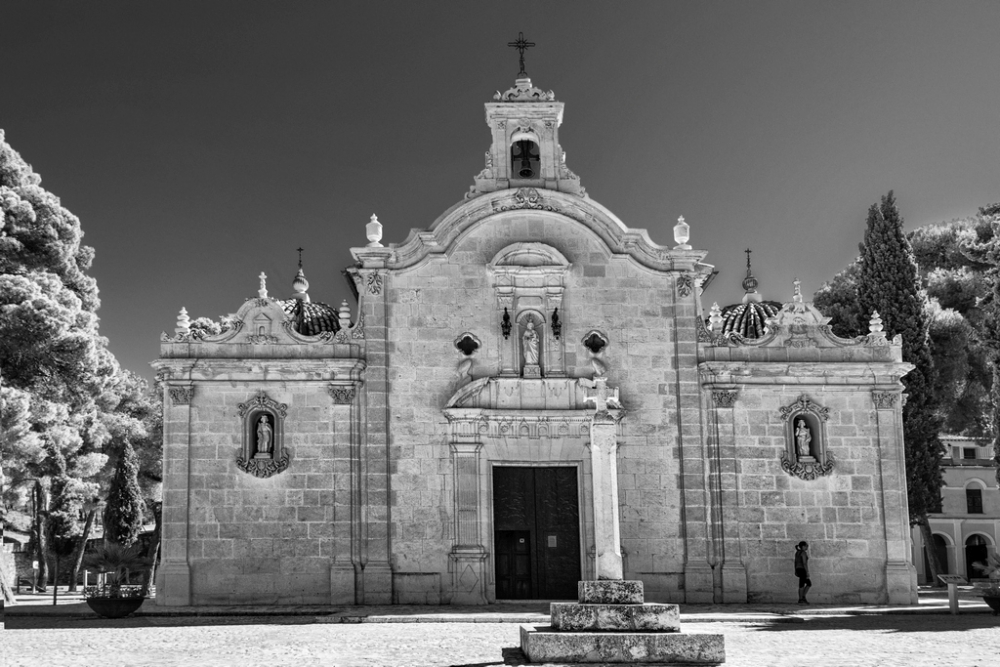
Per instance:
x=747, y=319
x=311, y=317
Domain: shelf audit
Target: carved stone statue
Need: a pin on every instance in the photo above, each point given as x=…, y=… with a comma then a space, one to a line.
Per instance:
x=802, y=439
x=265, y=437
x=530, y=340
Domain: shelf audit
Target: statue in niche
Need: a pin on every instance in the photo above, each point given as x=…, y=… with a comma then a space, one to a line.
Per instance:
x=803, y=438
x=530, y=340
x=265, y=438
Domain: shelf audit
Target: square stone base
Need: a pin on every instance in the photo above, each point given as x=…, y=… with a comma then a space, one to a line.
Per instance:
x=609, y=592
x=544, y=644
x=573, y=617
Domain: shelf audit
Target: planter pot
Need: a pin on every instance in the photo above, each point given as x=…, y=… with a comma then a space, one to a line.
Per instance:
x=994, y=603
x=114, y=607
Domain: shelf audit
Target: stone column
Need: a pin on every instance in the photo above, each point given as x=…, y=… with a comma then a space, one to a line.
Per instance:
x=604, y=471
x=173, y=586
x=900, y=575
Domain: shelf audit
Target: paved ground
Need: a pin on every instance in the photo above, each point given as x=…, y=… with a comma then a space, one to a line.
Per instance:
x=857, y=641
x=40, y=635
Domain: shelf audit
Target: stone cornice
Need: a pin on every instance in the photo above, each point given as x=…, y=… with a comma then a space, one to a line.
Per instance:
x=457, y=221
x=802, y=373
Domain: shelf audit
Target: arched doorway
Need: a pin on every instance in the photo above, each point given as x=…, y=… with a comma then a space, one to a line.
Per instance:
x=941, y=549
x=975, y=552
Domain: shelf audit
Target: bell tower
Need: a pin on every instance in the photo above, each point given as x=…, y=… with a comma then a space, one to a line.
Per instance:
x=525, y=122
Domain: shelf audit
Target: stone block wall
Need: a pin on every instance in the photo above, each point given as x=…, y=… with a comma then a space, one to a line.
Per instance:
x=432, y=303
x=840, y=515
x=265, y=540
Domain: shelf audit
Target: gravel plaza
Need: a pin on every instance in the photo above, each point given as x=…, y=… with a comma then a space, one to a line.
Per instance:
x=36, y=634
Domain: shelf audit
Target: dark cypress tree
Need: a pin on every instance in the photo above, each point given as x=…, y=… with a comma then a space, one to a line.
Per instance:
x=123, y=513
x=889, y=282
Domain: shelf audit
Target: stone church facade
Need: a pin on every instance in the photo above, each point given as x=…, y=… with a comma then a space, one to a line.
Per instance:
x=430, y=444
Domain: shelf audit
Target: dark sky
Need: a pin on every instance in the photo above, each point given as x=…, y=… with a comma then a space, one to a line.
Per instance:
x=202, y=142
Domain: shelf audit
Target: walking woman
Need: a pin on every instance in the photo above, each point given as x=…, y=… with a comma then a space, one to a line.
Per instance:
x=802, y=570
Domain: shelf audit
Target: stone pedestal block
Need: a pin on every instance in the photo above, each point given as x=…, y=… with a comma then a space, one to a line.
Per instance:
x=543, y=644
x=610, y=592
x=173, y=585
x=573, y=617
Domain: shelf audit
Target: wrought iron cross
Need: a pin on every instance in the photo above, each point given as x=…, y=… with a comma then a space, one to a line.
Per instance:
x=300, y=257
x=521, y=44
x=748, y=251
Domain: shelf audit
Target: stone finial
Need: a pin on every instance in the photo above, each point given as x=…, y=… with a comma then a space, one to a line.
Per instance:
x=715, y=318
x=344, y=315
x=374, y=231
x=875, y=325
x=183, y=322
x=262, y=292
x=797, y=296
x=682, y=232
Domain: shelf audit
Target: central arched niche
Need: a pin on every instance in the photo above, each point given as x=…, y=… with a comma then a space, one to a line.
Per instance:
x=529, y=280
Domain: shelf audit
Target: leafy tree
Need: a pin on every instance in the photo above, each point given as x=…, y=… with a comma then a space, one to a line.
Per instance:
x=123, y=511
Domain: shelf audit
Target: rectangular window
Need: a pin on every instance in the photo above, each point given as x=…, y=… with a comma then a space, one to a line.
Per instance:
x=969, y=453
x=974, y=500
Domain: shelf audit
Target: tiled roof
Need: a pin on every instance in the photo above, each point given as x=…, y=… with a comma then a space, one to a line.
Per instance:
x=311, y=317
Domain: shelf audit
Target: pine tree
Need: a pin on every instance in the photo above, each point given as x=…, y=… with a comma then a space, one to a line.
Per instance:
x=889, y=282
x=986, y=249
x=123, y=512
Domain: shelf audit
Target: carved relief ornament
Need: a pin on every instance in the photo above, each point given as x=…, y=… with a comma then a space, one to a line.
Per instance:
x=181, y=395
x=263, y=423
x=806, y=455
x=374, y=283
x=685, y=285
x=342, y=394
x=885, y=400
x=725, y=398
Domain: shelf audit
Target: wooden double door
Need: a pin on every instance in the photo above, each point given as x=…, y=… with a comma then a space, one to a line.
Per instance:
x=536, y=532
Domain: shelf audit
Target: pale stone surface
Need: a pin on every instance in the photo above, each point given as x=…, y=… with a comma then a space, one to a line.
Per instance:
x=389, y=485
x=610, y=592
x=571, y=616
x=542, y=644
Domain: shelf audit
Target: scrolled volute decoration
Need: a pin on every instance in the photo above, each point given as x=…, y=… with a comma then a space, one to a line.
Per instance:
x=804, y=404
x=807, y=471
x=263, y=467
x=262, y=402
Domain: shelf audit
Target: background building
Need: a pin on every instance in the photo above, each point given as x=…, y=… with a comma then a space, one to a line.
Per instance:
x=966, y=529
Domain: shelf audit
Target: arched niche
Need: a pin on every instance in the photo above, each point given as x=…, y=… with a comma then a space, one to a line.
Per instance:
x=263, y=424
x=529, y=279
x=806, y=455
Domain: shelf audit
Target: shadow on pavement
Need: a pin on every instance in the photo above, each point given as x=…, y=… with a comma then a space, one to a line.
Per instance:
x=889, y=623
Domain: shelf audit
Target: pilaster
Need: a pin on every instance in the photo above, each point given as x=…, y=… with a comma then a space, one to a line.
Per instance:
x=374, y=491
x=900, y=574
x=174, y=577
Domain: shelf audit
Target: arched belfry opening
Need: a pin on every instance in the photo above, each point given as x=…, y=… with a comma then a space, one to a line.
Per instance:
x=525, y=159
